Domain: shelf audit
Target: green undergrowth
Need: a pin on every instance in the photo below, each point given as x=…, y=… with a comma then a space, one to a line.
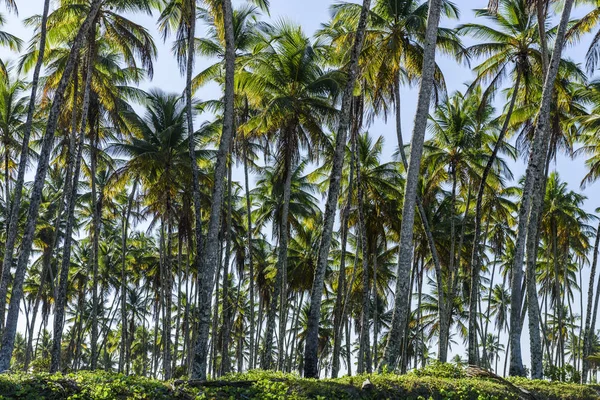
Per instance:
x=432, y=383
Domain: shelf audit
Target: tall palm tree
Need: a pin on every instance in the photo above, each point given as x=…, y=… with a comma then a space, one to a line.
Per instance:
x=400, y=313
x=529, y=214
x=312, y=335
x=210, y=258
x=512, y=50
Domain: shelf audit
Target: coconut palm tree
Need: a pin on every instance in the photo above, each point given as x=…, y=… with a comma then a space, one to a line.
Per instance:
x=400, y=314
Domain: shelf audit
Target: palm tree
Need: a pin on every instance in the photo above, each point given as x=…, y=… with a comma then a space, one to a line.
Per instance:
x=513, y=51
x=311, y=369
x=529, y=215
x=400, y=313
x=210, y=258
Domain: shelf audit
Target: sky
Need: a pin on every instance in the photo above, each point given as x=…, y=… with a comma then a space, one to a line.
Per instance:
x=310, y=14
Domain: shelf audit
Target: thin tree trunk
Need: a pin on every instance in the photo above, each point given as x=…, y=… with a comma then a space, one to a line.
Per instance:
x=249, y=256
x=190, y=127
x=533, y=178
x=400, y=311
x=444, y=323
x=475, y=257
x=590, y=318
x=96, y=204
x=312, y=333
x=227, y=305
x=123, y=349
x=13, y=212
x=338, y=318
x=364, y=352
x=267, y=356
x=209, y=259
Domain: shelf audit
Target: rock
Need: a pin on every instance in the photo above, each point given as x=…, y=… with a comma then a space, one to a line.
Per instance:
x=367, y=385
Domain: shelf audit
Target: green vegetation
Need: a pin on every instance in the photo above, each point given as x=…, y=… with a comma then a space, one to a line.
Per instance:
x=259, y=385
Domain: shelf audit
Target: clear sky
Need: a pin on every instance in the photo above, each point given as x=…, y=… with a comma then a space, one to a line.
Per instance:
x=310, y=14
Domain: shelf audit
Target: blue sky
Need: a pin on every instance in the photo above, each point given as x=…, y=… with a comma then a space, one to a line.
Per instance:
x=310, y=14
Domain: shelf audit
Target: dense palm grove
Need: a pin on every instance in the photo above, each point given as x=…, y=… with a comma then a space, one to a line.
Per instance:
x=129, y=245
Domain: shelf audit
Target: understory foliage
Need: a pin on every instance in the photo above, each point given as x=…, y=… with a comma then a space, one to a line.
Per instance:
x=434, y=383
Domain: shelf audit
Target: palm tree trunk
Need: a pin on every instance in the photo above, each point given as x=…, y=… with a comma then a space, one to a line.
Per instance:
x=533, y=181
x=400, y=312
x=96, y=204
x=59, y=309
x=123, y=349
x=249, y=256
x=267, y=356
x=209, y=260
x=444, y=322
x=13, y=212
x=227, y=305
x=190, y=127
x=375, y=304
x=590, y=318
x=338, y=317
x=312, y=333
x=475, y=257
x=364, y=352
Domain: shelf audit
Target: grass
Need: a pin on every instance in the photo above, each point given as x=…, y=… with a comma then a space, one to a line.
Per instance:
x=441, y=382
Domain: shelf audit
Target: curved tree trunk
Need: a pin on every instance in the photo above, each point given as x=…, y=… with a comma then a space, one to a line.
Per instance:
x=210, y=256
x=312, y=334
x=12, y=223
x=36, y=193
x=533, y=178
x=400, y=312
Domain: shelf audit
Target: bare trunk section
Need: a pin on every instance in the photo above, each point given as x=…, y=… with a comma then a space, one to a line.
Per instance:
x=267, y=356
x=191, y=137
